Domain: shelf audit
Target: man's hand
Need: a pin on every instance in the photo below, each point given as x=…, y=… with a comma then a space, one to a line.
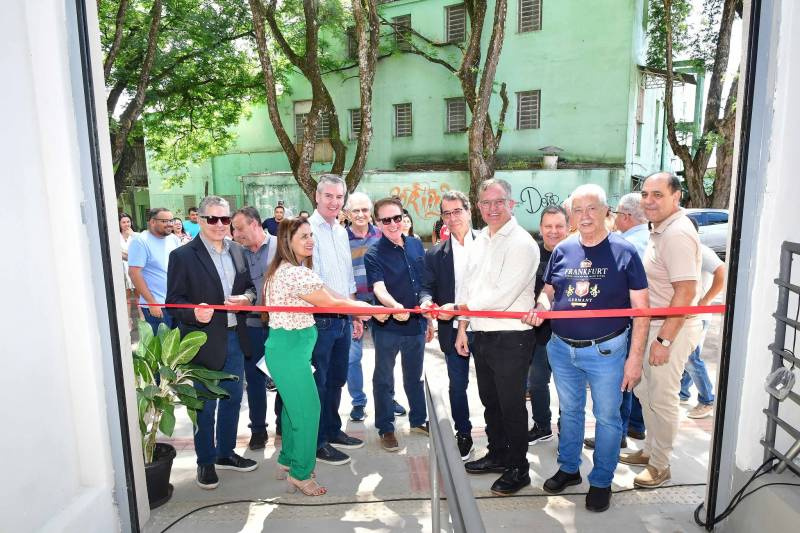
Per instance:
x=240, y=299
x=443, y=314
x=659, y=354
x=462, y=344
x=429, y=332
x=427, y=304
x=358, y=328
x=156, y=312
x=632, y=374
x=203, y=315
x=401, y=317
x=532, y=318
x=359, y=303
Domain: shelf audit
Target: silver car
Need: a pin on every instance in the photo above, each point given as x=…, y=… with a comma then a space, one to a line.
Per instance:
x=713, y=224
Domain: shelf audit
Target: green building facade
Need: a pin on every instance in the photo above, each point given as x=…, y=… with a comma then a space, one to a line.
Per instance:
x=573, y=79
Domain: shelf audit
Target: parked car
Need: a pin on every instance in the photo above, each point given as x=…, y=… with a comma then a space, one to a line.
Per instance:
x=713, y=224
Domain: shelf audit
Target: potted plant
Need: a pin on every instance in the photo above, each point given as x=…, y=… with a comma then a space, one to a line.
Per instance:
x=165, y=378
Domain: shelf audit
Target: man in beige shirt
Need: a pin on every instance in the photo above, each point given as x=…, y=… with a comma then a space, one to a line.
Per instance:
x=500, y=276
x=672, y=262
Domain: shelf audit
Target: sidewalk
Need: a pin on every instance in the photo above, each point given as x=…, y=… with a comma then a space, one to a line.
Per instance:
x=375, y=474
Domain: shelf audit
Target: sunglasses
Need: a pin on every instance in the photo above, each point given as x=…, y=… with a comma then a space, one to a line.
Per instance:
x=388, y=220
x=213, y=220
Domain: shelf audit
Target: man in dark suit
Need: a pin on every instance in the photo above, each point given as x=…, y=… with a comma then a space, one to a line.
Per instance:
x=212, y=270
x=445, y=265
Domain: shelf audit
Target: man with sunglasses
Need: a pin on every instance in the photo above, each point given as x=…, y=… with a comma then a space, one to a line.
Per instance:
x=395, y=270
x=148, y=257
x=445, y=272
x=213, y=270
x=500, y=277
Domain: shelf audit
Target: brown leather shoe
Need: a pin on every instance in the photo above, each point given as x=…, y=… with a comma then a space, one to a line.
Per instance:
x=389, y=442
x=652, y=477
x=637, y=458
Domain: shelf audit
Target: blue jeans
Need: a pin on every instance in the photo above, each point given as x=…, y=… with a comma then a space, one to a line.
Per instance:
x=631, y=413
x=412, y=350
x=355, y=376
x=458, y=375
x=256, y=380
x=226, y=412
x=330, y=360
x=695, y=371
x=602, y=365
x=154, y=322
x=539, y=386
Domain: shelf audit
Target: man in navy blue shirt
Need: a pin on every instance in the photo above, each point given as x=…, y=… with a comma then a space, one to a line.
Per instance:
x=395, y=269
x=592, y=270
x=270, y=225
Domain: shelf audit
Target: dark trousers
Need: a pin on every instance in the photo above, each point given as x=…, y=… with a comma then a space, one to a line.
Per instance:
x=256, y=380
x=330, y=358
x=539, y=386
x=501, y=358
x=630, y=409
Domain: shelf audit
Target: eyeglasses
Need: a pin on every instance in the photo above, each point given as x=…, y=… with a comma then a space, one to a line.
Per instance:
x=388, y=220
x=362, y=211
x=589, y=209
x=164, y=220
x=213, y=220
x=454, y=213
x=486, y=204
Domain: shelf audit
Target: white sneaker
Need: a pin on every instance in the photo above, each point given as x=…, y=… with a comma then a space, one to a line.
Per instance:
x=701, y=411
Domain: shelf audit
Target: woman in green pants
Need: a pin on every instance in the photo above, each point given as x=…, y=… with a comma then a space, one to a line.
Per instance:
x=291, y=282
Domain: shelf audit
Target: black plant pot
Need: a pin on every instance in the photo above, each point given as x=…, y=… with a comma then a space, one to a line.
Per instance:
x=159, y=489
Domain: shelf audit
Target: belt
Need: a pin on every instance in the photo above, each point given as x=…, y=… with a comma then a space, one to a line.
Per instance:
x=331, y=315
x=589, y=342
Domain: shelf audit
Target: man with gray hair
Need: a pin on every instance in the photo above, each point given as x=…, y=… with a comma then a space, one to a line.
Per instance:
x=211, y=269
x=631, y=222
x=592, y=270
x=332, y=262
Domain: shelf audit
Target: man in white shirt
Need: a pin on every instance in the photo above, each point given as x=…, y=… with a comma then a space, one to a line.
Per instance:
x=333, y=263
x=500, y=277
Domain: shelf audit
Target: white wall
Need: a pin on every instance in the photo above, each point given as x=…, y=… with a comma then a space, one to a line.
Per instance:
x=60, y=450
x=775, y=218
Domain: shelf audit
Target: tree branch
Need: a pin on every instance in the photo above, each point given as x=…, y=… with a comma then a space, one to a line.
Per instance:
x=501, y=121
x=115, y=45
x=284, y=45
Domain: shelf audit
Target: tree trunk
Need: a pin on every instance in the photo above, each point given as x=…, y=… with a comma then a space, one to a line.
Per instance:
x=134, y=109
x=115, y=45
x=365, y=13
x=721, y=194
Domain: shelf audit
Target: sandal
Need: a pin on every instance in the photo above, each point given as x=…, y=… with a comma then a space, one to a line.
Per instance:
x=309, y=486
x=282, y=471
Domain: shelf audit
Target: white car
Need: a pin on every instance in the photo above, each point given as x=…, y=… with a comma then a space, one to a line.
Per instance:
x=713, y=225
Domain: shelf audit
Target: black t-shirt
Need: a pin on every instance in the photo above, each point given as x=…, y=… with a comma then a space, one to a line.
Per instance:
x=543, y=332
x=593, y=277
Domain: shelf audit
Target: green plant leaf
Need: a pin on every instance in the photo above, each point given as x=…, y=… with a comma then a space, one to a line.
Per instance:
x=167, y=424
x=141, y=369
x=190, y=345
x=169, y=347
x=182, y=388
x=204, y=373
x=167, y=373
x=216, y=389
x=150, y=392
x=193, y=417
x=145, y=334
x=191, y=402
x=163, y=331
x=153, y=353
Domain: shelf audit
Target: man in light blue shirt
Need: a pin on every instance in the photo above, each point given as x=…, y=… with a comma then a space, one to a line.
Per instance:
x=631, y=222
x=332, y=262
x=190, y=225
x=148, y=257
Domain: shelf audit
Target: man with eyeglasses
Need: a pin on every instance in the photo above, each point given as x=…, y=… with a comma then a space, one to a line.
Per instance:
x=500, y=277
x=213, y=270
x=148, y=257
x=445, y=273
x=593, y=270
x=395, y=270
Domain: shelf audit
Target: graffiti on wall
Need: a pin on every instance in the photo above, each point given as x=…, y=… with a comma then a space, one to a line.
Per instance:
x=533, y=201
x=421, y=199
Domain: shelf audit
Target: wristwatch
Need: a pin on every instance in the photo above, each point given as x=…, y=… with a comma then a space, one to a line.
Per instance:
x=664, y=342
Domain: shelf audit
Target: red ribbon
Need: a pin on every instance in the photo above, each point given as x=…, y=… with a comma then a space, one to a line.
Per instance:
x=579, y=313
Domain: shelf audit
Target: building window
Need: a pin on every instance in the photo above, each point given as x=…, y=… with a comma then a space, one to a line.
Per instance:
x=352, y=43
x=456, y=26
x=456, y=115
x=402, y=36
x=402, y=120
x=528, y=110
x=355, y=123
x=639, y=119
x=323, y=127
x=529, y=16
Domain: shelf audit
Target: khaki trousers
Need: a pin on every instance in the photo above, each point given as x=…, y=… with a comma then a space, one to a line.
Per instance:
x=659, y=388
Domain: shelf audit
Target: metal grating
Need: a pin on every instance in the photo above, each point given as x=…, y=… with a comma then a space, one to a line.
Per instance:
x=402, y=37
x=781, y=356
x=456, y=115
x=355, y=123
x=528, y=107
x=456, y=27
x=402, y=120
x=529, y=16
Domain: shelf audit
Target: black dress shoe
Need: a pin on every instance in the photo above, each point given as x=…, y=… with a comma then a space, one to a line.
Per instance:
x=638, y=435
x=485, y=465
x=598, y=499
x=562, y=480
x=258, y=440
x=512, y=480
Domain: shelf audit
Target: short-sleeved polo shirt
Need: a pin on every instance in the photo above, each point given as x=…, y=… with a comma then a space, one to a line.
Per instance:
x=401, y=269
x=673, y=254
